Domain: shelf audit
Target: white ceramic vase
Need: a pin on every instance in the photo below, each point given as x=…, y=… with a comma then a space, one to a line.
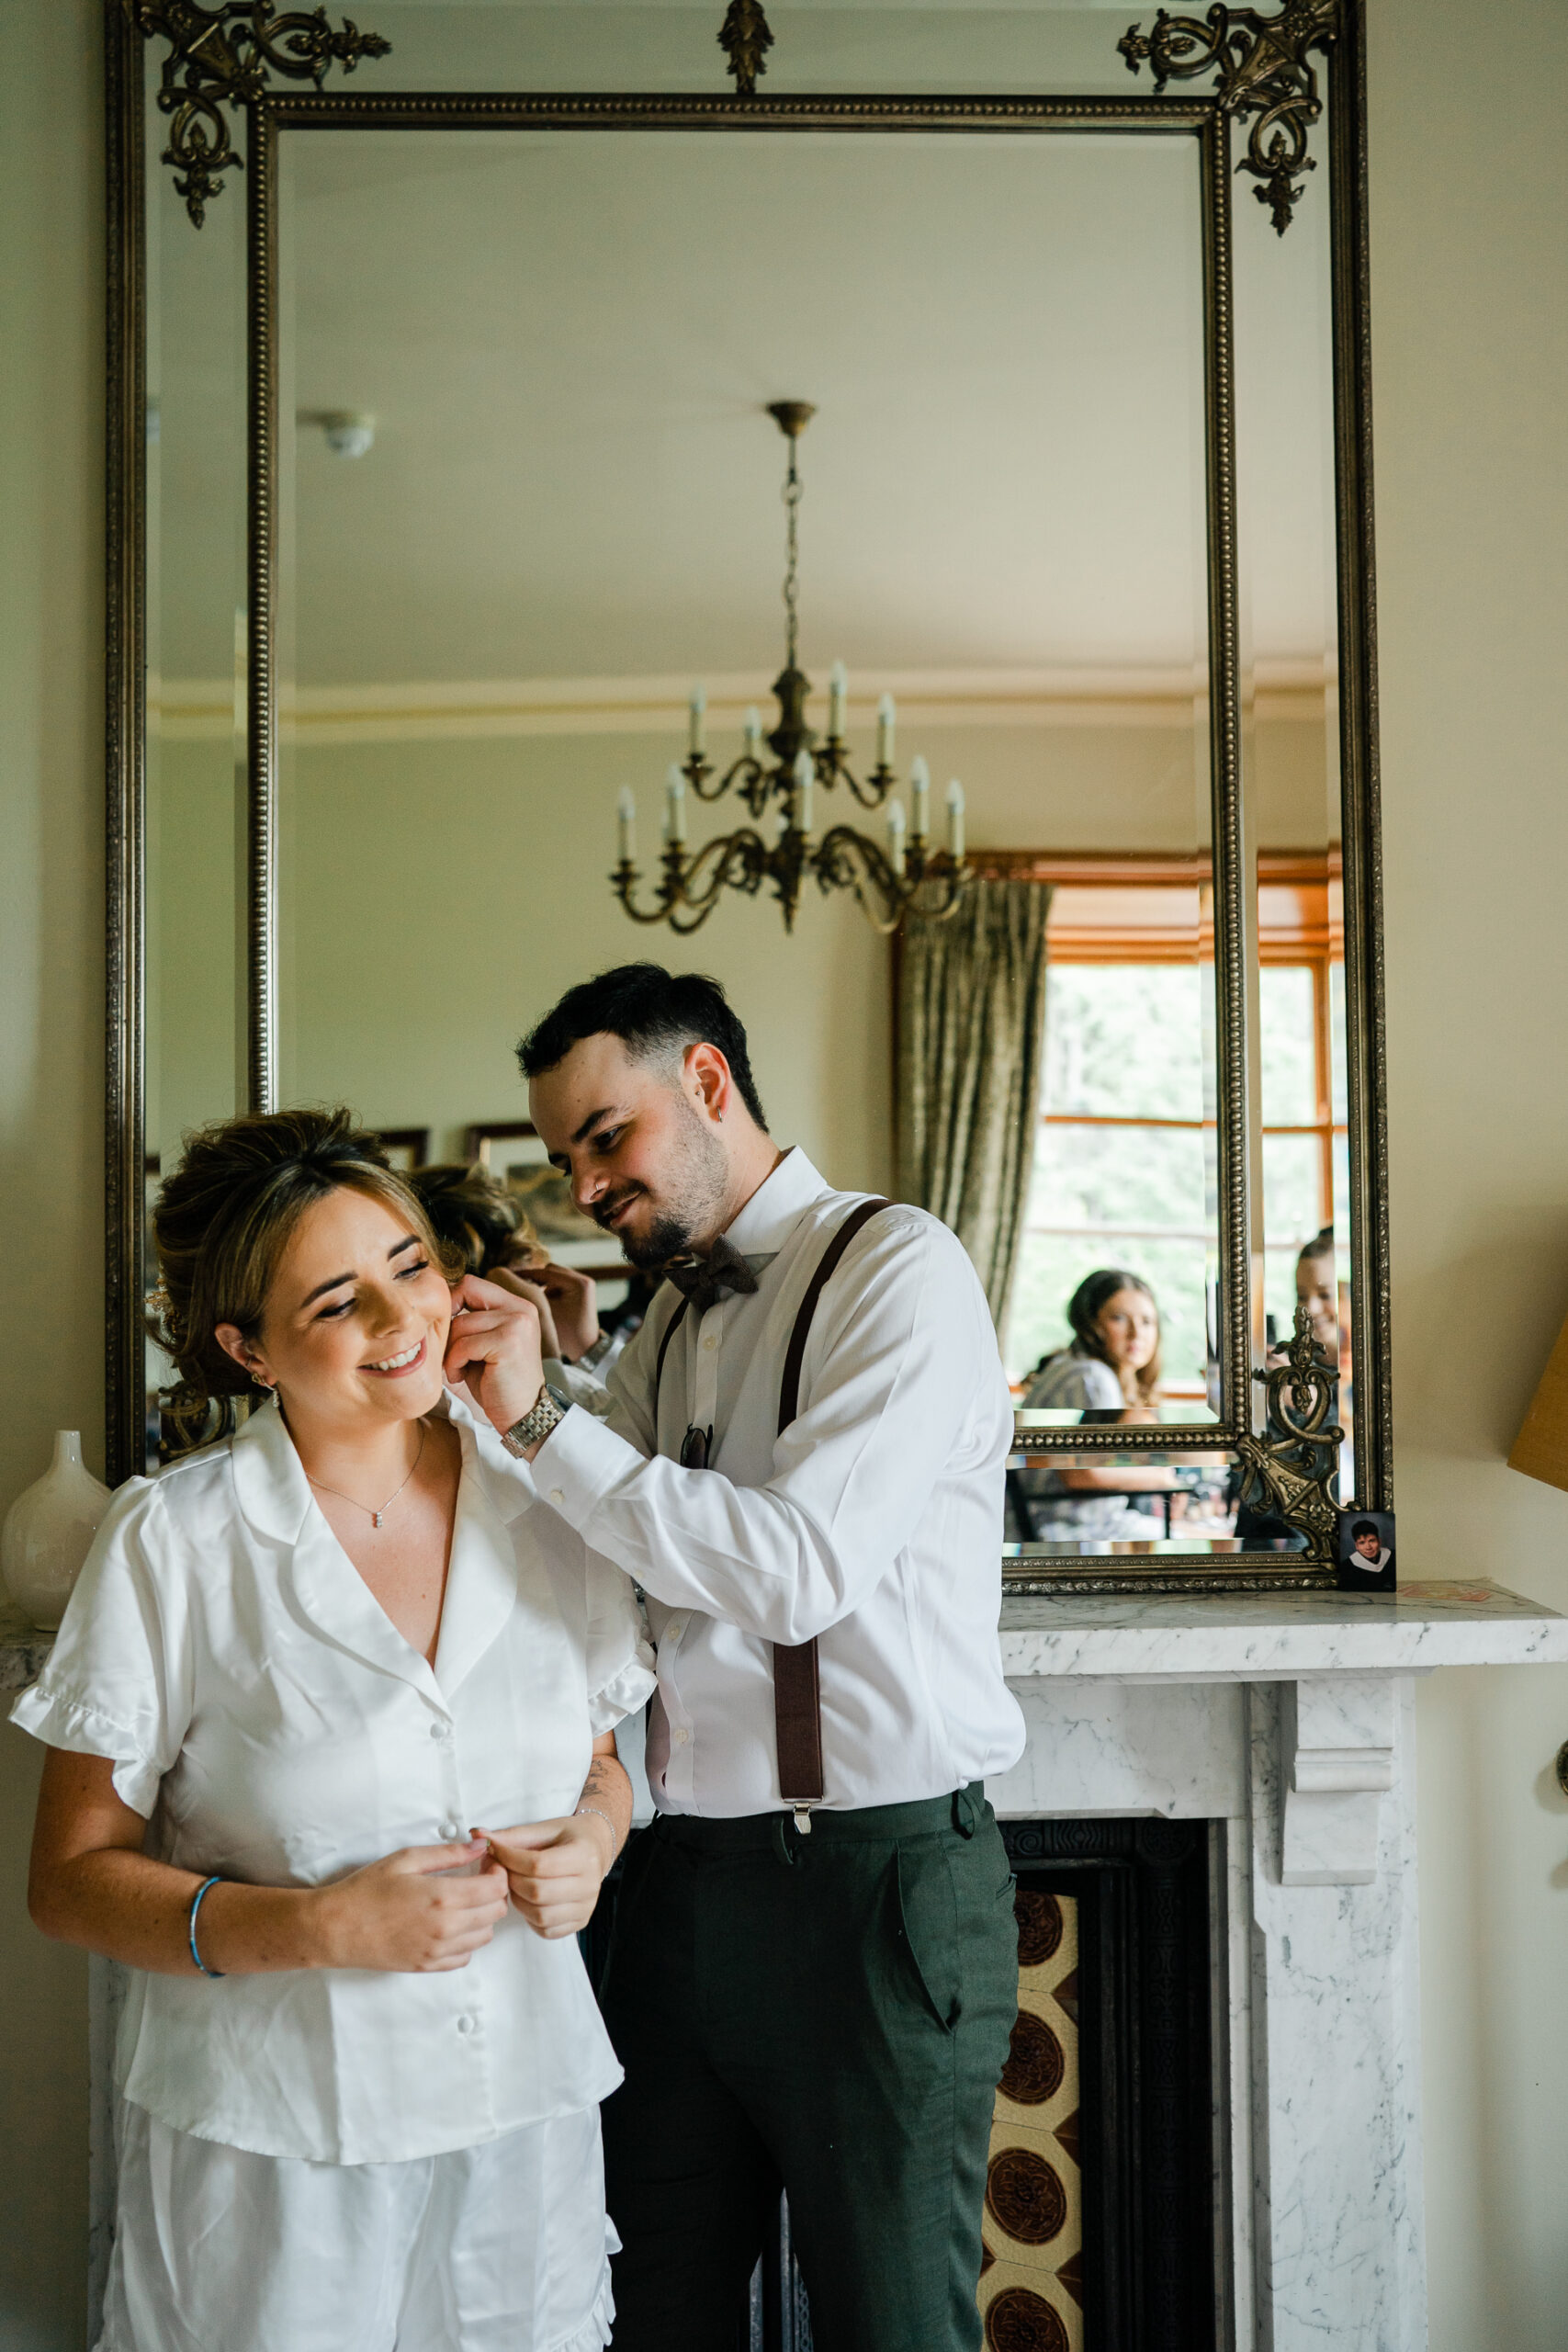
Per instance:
x=48, y=1533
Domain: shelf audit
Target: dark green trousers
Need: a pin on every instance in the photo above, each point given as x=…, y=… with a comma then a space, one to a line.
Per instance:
x=830, y=2012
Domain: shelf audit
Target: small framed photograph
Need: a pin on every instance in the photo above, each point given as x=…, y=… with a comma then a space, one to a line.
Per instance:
x=406, y=1148
x=515, y=1151
x=1366, y=1552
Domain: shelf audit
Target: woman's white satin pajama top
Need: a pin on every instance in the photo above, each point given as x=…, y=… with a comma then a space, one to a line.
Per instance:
x=263, y=1713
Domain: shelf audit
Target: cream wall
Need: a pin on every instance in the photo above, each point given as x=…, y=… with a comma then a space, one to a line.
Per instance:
x=1470, y=252
x=50, y=1056
x=1470, y=295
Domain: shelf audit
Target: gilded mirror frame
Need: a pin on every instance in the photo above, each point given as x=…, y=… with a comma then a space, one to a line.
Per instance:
x=1253, y=82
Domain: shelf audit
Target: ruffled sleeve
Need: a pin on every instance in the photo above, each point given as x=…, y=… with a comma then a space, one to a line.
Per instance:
x=117, y=1683
x=621, y=1667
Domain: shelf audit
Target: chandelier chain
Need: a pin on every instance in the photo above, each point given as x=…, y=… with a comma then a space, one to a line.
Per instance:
x=792, y=493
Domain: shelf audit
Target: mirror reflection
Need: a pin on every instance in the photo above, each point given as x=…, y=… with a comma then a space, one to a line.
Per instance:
x=533, y=611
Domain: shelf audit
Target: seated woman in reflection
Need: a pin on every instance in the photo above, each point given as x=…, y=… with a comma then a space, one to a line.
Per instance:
x=473, y=1214
x=1111, y=1372
x=302, y=1671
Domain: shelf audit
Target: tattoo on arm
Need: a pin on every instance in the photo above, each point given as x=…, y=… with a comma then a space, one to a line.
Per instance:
x=608, y=1788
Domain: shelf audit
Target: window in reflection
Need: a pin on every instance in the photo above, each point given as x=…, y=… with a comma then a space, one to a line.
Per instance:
x=1119, y=1171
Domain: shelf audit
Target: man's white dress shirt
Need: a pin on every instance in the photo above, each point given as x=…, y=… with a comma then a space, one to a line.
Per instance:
x=874, y=1523
x=265, y=1714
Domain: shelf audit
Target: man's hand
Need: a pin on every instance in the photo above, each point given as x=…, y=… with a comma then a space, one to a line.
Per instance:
x=524, y=1286
x=554, y=1868
x=495, y=1348
x=573, y=1302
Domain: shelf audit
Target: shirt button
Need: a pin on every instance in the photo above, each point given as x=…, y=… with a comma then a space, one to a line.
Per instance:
x=711, y=1341
x=449, y=1829
x=557, y=1497
x=674, y=1630
x=683, y=1736
x=440, y=1731
x=465, y=2025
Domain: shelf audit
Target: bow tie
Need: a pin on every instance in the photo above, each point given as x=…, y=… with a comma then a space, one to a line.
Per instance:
x=705, y=1280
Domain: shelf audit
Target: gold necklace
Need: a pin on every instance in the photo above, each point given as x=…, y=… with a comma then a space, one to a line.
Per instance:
x=376, y=1517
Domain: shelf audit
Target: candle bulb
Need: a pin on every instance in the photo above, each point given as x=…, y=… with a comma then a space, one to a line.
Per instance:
x=895, y=836
x=885, y=732
x=698, y=707
x=838, y=698
x=955, y=820
x=751, y=732
x=920, y=797
x=674, y=809
x=628, y=810
x=805, y=776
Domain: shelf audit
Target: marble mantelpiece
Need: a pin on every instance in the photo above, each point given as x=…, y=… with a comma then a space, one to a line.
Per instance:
x=1288, y=1721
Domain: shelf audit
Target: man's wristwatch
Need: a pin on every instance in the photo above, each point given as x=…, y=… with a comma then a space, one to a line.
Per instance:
x=537, y=1423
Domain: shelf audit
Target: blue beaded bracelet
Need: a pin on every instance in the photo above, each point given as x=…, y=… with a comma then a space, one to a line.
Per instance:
x=194, y=1907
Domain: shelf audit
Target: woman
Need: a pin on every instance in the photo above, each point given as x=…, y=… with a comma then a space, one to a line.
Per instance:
x=302, y=1669
x=1111, y=1372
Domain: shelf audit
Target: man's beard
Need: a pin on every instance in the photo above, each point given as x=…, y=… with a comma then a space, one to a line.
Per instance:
x=698, y=1174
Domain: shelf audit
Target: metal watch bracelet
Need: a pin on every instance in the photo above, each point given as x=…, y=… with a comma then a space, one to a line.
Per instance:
x=538, y=1422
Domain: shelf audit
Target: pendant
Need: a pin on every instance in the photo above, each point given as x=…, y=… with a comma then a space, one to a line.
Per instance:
x=375, y=1519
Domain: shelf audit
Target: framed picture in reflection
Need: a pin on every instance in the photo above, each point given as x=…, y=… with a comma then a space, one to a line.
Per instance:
x=406, y=1148
x=1366, y=1552
x=515, y=1151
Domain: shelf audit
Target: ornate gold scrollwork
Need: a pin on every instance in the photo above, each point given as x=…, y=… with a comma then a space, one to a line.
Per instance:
x=1263, y=71
x=1290, y=1470
x=221, y=56
x=746, y=37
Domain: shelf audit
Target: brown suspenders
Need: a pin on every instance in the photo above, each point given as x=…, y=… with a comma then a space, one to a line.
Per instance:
x=797, y=1706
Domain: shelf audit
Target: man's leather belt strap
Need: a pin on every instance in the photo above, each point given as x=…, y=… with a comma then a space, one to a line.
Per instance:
x=798, y=1698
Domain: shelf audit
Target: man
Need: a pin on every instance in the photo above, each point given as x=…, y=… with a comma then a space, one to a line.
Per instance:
x=812, y=1981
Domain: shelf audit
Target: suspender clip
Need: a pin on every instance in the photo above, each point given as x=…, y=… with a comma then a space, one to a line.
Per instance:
x=803, y=1820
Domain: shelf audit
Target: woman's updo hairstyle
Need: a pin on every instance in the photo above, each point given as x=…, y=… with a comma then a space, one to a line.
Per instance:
x=222, y=1222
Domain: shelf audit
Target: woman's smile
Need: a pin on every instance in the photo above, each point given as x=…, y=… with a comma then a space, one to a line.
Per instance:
x=395, y=1367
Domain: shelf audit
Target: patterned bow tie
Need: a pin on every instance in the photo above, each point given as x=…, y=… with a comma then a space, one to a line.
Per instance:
x=705, y=1280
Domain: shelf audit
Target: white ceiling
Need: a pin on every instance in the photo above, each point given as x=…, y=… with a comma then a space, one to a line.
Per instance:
x=569, y=341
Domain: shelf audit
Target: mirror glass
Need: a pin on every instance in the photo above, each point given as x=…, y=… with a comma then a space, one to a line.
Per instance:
x=532, y=495
x=1293, y=791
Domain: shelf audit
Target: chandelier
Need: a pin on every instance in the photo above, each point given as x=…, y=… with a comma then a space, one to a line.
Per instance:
x=912, y=875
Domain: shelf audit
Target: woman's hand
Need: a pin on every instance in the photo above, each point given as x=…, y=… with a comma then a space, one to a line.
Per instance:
x=495, y=1346
x=406, y=1912
x=554, y=1868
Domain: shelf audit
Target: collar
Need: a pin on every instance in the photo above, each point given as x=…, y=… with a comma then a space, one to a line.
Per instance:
x=269, y=1477
x=777, y=1206
x=482, y=1573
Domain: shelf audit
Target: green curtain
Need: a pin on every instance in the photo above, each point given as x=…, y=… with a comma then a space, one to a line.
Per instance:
x=971, y=1037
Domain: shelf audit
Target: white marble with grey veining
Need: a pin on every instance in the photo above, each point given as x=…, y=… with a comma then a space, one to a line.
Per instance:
x=1270, y=1637
x=1120, y=1748
x=1330, y=2031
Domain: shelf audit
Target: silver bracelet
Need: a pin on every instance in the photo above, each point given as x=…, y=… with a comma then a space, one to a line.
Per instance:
x=614, y=1833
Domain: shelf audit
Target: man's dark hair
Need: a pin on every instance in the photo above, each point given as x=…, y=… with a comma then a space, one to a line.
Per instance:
x=1364, y=1527
x=651, y=1011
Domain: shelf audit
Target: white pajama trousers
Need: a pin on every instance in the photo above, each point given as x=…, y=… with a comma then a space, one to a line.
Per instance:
x=500, y=2248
